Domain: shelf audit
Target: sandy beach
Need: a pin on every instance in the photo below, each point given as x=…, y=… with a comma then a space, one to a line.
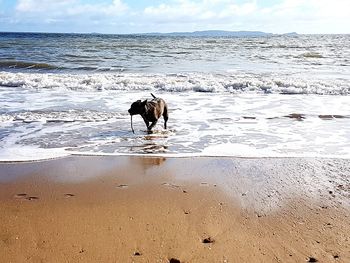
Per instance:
x=174, y=131
x=138, y=209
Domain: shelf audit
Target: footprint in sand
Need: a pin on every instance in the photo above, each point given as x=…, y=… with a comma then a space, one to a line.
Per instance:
x=19, y=196
x=170, y=185
x=122, y=186
x=208, y=240
x=30, y=198
x=26, y=197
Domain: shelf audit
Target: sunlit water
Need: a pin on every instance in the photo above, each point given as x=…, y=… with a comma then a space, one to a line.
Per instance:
x=249, y=97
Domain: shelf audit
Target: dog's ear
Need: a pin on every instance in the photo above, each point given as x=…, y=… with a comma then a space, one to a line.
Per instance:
x=144, y=103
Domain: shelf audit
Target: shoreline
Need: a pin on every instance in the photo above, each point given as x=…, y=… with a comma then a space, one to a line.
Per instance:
x=172, y=156
x=193, y=209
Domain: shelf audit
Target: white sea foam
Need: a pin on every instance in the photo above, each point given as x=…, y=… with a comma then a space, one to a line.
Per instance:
x=198, y=82
x=58, y=116
x=40, y=125
x=23, y=153
x=46, y=115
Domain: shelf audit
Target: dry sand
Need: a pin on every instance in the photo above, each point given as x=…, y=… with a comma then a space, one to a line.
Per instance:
x=136, y=209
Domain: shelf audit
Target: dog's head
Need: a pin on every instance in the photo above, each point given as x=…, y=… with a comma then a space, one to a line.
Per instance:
x=137, y=107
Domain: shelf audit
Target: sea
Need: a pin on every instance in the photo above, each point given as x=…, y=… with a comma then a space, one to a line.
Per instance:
x=273, y=96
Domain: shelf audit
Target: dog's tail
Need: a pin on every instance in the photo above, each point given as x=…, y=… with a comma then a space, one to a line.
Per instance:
x=153, y=95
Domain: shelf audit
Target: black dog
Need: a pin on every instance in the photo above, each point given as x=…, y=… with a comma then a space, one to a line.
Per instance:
x=150, y=111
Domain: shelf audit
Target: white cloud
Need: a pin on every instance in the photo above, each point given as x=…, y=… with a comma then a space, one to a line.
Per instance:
x=55, y=8
x=334, y=9
x=239, y=10
x=42, y=5
x=178, y=10
x=190, y=11
x=312, y=16
x=303, y=16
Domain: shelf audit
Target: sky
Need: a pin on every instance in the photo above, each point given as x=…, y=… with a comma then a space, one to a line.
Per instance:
x=133, y=16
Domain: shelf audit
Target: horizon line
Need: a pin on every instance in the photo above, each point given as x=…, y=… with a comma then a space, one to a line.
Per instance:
x=172, y=32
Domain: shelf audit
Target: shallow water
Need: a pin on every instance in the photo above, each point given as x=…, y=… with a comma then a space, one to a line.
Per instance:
x=200, y=124
x=247, y=97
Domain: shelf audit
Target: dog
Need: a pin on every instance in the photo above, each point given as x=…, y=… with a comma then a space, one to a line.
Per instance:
x=150, y=111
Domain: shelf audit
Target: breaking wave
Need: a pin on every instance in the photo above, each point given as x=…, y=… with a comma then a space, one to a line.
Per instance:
x=311, y=55
x=13, y=64
x=195, y=82
x=59, y=116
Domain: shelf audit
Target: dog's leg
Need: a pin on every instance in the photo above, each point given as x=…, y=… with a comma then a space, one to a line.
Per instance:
x=146, y=121
x=152, y=125
x=165, y=115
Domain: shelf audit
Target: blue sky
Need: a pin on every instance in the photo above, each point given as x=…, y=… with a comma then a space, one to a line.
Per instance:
x=133, y=16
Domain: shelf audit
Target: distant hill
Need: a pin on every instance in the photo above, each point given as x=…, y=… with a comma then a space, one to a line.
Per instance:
x=291, y=34
x=218, y=33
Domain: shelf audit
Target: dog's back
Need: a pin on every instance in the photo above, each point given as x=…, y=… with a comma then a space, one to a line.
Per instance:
x=156, y=108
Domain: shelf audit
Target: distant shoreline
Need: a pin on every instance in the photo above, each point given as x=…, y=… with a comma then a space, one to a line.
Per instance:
x=179, y=34
x=206, y=33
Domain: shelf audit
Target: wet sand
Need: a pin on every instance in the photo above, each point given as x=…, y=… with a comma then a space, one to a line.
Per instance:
x=136, y=209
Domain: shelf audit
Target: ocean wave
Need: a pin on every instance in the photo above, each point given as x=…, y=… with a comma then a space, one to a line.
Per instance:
x=13, y=64
x=311, y=55
x=195, y=82
x=59, y=116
